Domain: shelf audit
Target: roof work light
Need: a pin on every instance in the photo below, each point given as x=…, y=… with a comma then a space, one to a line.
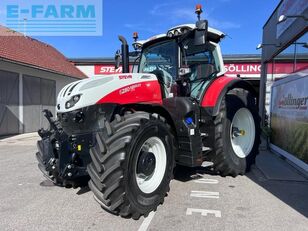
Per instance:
x=198, y=10
x=135, y=36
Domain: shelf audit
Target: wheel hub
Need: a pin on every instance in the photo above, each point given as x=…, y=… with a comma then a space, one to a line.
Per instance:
x=146, y=163
x=242, y=132
x=151, y=165
x=236, y=132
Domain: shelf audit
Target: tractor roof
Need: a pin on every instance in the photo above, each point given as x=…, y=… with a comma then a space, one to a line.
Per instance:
x=213, y=34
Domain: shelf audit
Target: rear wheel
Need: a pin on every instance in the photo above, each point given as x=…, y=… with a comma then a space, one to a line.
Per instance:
x=237, y=133
x=132, y=164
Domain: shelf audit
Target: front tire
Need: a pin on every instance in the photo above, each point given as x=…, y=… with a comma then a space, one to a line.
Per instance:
x=132, y=164
x=237, y=133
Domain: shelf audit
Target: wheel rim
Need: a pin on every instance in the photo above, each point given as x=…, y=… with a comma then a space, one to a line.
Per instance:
x=242, y=132
x=148, y=178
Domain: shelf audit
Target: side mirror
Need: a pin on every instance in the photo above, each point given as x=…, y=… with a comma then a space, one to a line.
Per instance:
x=117, y=59
x=184, y=71
x=201, y=32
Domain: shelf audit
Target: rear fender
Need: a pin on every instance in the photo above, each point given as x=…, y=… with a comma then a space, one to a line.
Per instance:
x=218, y=89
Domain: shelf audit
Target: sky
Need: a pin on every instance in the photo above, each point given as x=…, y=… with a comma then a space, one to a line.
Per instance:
x=241, y=20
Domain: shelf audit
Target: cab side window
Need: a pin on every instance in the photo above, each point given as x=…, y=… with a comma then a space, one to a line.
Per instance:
x=201, y=62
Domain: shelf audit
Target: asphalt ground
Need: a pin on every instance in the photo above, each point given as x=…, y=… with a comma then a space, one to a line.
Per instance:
x=264, y=199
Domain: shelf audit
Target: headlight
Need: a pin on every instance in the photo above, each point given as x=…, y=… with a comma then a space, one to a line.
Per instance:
x=71, y=103
x=76, y=98
x=170, y=34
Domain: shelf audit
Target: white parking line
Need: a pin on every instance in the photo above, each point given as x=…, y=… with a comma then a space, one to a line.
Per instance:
x=206, y=181
x=204, y=212
x=205, y=194
x=146, y=222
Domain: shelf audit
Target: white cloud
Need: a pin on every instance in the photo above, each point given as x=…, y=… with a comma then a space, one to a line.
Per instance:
x=140, y=27
x=170, y=11
x=157, y=8
x=169, y=14
x=187, y=14
x=223, y=25
x=175, y=15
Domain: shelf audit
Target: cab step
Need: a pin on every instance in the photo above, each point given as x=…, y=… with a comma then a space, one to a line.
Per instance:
x=206, y=164
x=206, y=149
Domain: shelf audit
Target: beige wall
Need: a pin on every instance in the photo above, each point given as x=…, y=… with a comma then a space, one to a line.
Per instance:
x=61, y=80
x=18, y=111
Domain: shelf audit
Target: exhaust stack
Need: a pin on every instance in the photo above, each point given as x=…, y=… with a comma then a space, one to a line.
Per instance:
x=125, y=54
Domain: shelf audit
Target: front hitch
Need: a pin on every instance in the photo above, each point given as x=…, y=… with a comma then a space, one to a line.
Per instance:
x=63, y=158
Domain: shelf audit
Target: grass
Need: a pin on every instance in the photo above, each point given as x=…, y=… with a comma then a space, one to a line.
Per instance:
x=291, y=136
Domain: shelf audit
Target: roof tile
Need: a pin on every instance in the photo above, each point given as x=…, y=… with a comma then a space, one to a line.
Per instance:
x=23, y=49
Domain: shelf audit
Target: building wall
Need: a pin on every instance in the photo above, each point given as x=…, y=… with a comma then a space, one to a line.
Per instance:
x=61, y=80
x=24, y=109
x=94, y=70
x=274, y=42
x=289, y=120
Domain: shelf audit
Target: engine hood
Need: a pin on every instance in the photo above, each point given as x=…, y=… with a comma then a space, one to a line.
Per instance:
x=106, y=88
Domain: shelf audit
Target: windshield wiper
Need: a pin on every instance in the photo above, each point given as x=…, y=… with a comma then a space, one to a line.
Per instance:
x=202, y=82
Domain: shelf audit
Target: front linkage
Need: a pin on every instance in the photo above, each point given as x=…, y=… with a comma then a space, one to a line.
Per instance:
x=63, y=158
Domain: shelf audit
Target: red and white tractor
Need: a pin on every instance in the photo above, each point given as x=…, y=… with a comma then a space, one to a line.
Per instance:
x=128, y=131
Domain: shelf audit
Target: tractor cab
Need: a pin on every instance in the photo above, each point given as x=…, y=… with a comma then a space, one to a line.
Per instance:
x=184, y=59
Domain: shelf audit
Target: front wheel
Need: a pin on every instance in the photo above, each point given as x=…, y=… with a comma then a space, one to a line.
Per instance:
x=132, y=164
x=237, y=133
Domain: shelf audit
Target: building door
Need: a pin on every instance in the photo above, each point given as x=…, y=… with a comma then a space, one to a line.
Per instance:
x=48, y=98
x=9, y=103
x=38, y=94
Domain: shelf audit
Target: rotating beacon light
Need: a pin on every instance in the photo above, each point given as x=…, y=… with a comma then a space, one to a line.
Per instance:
x=198, y=10
x=136, y=45
x=135, y=36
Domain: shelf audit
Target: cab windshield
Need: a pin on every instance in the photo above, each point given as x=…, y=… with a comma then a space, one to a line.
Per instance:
x=161, y=57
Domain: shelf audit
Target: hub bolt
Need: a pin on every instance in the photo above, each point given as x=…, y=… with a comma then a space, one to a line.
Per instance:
x=57, y=145
x=69, y=174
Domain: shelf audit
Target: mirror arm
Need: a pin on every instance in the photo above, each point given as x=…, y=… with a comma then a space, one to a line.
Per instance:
x=117, y=59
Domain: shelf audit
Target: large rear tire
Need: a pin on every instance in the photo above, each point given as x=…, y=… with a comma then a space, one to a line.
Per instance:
x=132, y=164
x=237, y=133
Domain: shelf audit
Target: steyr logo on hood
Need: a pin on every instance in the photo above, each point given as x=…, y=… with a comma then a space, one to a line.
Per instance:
x=125, y=76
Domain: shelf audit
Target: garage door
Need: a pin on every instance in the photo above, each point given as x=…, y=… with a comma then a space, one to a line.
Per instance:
x=38, y=94
x=9, y=101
